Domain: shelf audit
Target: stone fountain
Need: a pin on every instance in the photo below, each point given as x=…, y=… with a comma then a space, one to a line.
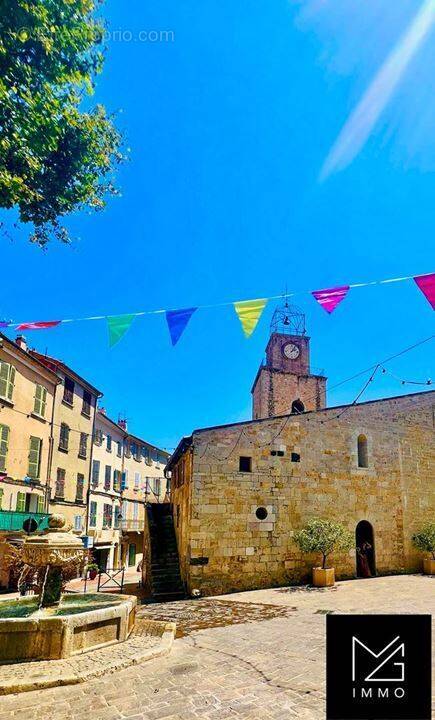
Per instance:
x=56, y=625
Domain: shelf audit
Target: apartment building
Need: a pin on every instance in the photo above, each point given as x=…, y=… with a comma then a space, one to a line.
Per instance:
x=73, y=427
x=27, y=392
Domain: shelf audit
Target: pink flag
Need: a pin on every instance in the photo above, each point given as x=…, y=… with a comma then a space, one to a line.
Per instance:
x=330, y=298
x=38, y=325
x=426, y=283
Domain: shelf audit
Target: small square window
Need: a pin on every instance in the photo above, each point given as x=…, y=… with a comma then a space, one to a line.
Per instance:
x=245, y=464
x=295, y=457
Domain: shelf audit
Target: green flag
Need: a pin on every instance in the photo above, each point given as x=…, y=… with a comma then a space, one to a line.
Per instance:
x=118, y=326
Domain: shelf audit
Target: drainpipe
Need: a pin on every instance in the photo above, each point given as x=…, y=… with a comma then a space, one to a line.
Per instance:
x=91, y=457
x=50, y=453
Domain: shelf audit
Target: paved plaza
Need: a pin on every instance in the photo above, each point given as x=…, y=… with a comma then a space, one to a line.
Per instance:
x=256, y=655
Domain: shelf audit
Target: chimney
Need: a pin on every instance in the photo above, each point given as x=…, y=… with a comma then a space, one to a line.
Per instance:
x=21, y=342
x=122, y=422
x=102, y=410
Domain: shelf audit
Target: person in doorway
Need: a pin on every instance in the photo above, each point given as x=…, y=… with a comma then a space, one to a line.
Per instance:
x=363, y=560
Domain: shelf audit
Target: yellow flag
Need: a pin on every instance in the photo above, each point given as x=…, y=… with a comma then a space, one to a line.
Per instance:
x=249, y=313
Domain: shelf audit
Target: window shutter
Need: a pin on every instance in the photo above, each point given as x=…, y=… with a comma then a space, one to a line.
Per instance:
x=40, y=400
x=4, y=375
x=40, y=507
x=21, y=502
x=1, y=497
x=11, y=382
x=34, y=457
x=4, y=444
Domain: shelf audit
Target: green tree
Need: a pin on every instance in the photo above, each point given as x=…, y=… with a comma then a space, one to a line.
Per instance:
x=425, y=539
x=54, y=157
x=323, y=536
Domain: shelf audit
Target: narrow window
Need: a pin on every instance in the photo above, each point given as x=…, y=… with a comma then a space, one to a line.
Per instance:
x=98, y=437
x=107, y=477
x=80, y=487
x=59, y=490
x=119, y=449
x=77, y=522
x=21, y=502
x=93, y=514
x=137, y=481
x=41, y=504
x=87, y=399
x=117, y=480
x=117, y=517
x=40, y=400
x=83, y=446
x=4, y=445
x=64, y=437
x=156, y=486
x=7, y=380
x=95, y=473
x=363, y=458
x=107, y=515
x=245, y=464
x=68, y=391
x=109, y=443
x=34, y=457
x=124, y=481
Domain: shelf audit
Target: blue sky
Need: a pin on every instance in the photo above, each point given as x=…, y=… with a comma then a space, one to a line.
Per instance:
x=229, y=125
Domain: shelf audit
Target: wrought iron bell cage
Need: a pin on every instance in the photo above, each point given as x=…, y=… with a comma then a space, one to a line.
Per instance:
x=288, y=320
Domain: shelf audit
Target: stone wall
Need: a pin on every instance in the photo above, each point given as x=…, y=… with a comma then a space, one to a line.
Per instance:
x=223, y=545
x=275, y=390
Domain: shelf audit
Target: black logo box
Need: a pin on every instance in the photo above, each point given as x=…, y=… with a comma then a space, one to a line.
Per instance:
x=385, y=696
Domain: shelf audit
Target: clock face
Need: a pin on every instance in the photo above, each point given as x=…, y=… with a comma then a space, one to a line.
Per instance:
x=291, y=351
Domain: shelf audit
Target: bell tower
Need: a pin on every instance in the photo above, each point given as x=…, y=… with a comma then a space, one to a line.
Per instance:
x=284, y=382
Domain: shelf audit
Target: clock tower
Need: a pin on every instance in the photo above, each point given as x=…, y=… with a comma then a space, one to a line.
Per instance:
x=285, y=382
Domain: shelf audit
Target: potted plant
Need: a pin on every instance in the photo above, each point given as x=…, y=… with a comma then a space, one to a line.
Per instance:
x=323, y=536
x=93, y=570
x=425, y=541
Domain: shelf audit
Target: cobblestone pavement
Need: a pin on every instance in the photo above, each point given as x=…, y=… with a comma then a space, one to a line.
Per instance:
x=270, y=667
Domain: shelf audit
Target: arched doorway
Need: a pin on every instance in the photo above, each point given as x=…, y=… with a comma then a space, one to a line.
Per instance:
x=365, y=550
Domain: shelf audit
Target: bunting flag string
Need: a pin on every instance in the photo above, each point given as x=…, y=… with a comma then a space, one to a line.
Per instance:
x=177, y=322
x=248, y=311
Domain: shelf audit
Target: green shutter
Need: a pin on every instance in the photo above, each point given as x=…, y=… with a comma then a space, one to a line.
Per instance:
x=21, y=502
x=11, y=382
x=41, y=504
x=34, y=457
x=4, y=443
x=40, y=400
x=4, y=379
x=1, y=497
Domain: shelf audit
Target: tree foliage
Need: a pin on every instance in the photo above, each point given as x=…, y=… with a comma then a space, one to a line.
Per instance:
x=55, y=158
x=425, y=539
x=323, y=536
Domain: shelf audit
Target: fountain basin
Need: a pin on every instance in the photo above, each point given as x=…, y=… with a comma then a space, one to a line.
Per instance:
x=78, y=624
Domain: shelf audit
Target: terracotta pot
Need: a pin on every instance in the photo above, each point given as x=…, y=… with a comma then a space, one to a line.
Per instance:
x=93, y=574
x=429, y=566
x=323, y=577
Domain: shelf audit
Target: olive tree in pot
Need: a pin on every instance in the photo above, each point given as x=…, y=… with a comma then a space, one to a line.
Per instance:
x=323, y=537
x=425, y=541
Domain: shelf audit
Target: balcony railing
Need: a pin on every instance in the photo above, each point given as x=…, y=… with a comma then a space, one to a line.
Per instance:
x=134, y=524
x=11, y=520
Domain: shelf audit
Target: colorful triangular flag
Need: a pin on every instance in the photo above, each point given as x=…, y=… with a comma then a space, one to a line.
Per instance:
x=249, y=313
x=118, y=326
x=426, y=283
x=43, y=325
x=331, y=297
x=177, y=322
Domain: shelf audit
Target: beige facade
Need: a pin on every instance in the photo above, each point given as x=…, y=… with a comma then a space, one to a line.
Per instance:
x=73, y=425
x=239, y=492
x=27, y=391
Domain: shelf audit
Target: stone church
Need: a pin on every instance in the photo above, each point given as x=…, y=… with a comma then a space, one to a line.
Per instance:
x=240, y=491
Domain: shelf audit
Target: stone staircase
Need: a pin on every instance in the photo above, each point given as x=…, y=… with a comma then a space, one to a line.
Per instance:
x=166, y=582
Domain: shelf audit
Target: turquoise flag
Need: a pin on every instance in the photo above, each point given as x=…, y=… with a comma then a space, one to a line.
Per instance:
x=118, y=326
